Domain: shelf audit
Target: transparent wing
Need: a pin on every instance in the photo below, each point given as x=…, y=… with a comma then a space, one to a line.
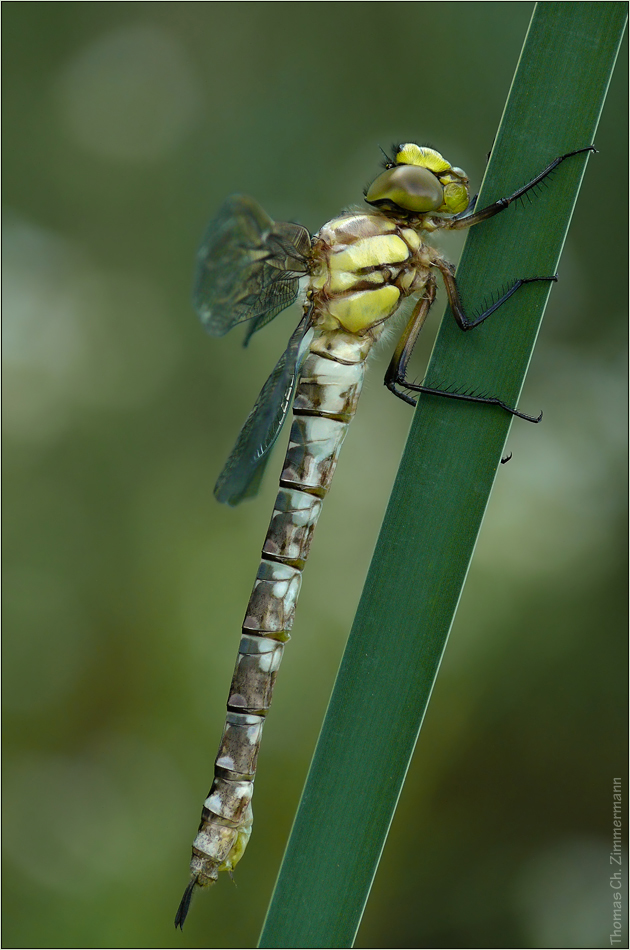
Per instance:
x=244, y=469
x=248, y=267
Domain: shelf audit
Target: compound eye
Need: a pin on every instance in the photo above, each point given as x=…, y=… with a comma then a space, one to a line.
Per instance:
x=410, y=187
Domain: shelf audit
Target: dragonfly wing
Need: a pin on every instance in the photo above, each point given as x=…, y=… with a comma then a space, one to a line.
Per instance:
x=243, y=471
x=248, y=267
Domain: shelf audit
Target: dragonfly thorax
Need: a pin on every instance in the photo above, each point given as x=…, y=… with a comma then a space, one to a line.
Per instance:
x=364, y=265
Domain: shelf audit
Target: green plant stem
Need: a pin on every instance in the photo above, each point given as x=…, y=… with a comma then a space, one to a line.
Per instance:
x=443, y=485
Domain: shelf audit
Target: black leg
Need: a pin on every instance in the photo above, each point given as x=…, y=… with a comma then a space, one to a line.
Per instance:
x=397, y=368
x=466, y=219
x=486, y=400
x=395, y=376
x=455, y=301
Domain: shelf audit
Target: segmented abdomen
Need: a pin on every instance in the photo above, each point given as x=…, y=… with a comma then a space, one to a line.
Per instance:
x=324, y=404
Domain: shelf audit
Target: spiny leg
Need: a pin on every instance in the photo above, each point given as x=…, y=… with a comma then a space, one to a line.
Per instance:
x=396, y=371
x=466, y=397
x=455, y=300
x=466, y=219
x=397, y=368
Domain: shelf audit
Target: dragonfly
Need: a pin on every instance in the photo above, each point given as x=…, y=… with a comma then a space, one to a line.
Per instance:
x=358, y=269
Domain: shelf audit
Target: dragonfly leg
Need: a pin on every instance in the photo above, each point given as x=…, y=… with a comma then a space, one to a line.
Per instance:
x=455, y=300
x=466, y=397
x=395, y=375
x=466, y=219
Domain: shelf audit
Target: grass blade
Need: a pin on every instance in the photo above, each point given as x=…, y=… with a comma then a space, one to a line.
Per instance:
x=442, y=489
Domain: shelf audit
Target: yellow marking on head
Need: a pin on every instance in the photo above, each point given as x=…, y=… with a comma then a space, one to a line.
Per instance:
x=412, y=154
x=453, y=180
x=456, y=197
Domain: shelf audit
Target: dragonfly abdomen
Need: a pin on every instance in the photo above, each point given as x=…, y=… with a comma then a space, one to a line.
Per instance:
x=325, y=402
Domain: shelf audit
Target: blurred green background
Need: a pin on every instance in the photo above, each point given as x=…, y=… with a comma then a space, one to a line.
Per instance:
x=125, y=125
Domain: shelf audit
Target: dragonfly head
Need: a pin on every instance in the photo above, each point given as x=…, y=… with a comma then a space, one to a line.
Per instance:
x=419, y=180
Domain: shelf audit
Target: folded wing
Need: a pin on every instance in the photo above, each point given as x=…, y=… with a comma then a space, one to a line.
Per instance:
x=243, y=471
x=248, y=267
